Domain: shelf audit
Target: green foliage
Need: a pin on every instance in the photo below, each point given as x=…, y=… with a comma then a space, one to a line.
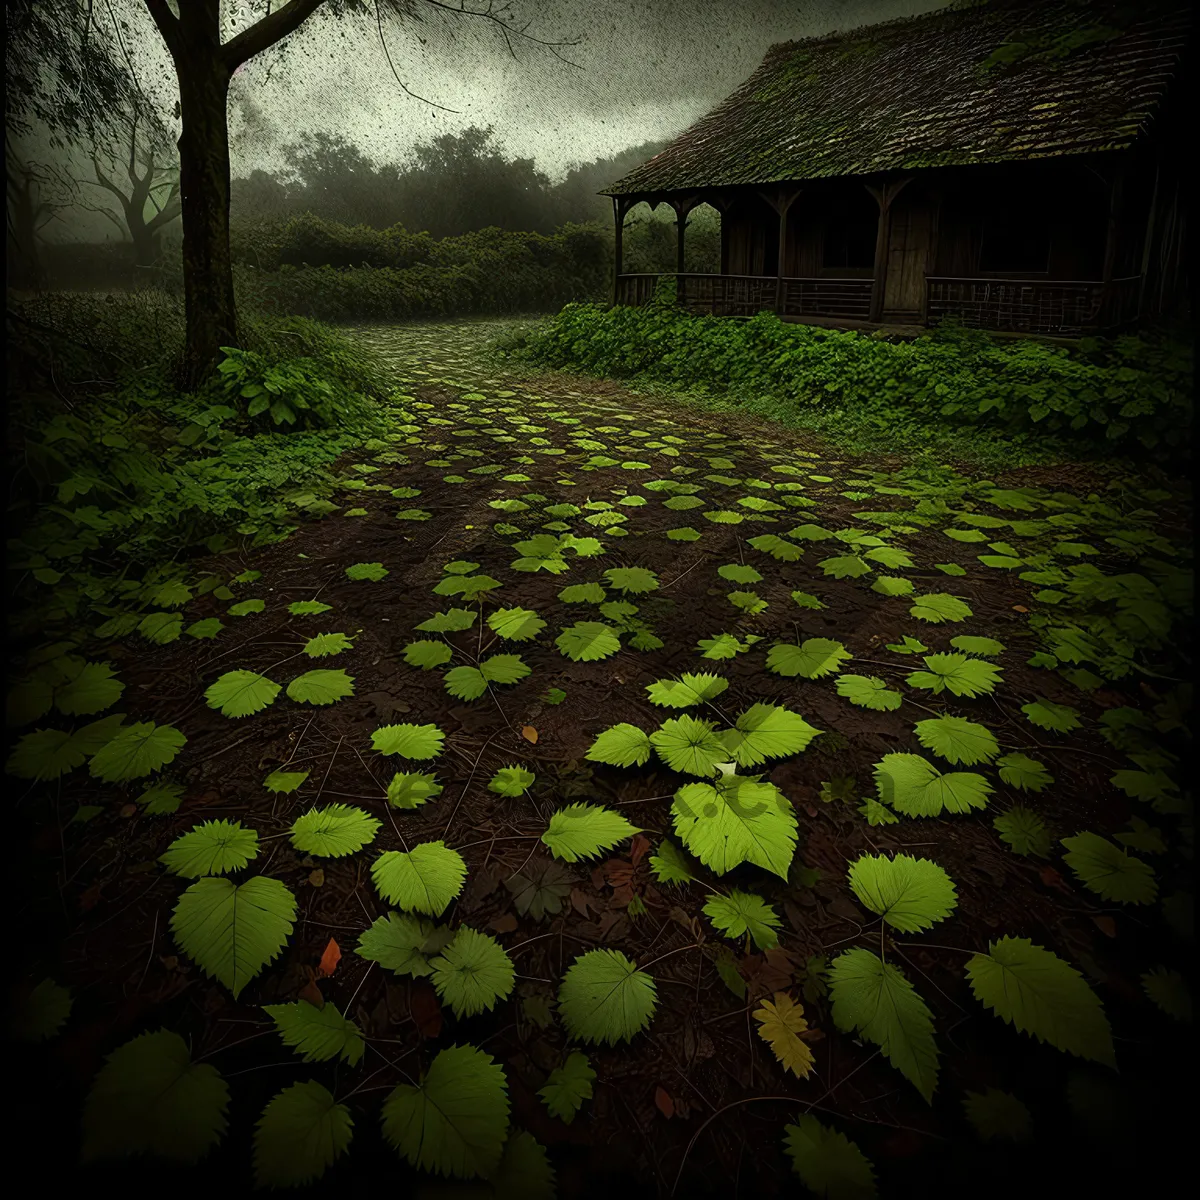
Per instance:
x=869, y=691
x=1021, y=771
x=333, y=831
x=427, y=654
x=241, y=693
x=670, y=864
x=568, y=1087
x=621, y=745
x=1109, y=871
x=511, y=781
x=301, y=1133
x=603, y=997
x=317, y=1034
x=284, y=782
x=998, y=1116
x=1169, y=991
x=150, y=1098
x=418, y=742
x=910, y=894
x=874, y=1000
x=472, y=973
x=585, y=831
x=735, y=821
x=938, y=607
x=136, y=750
x=686, y=691
x=411, y=789
x=588, y=641
x=814, y=658
x=767, y=731
x=915, y=787
x=211, y=848
x=456, y=1120
x=1039, y=994
x=827, y=1162
x=321, y=687
x=539, y=892
x=689, y=745
x=743, y=913
x=516, y=624
x=1024, y=831
x=233, y=932
x=424, y=879
x=957, y=674
x=38, y=1013
x=1059, y=718
x=401, y=943
x=469, y=683
x=958, y=740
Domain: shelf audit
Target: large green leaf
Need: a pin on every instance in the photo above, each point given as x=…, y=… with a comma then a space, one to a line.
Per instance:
x=874, y=999
x=212, y=848
x=333, y=831
x=605, y=998
x=409, y=741
x=814, y=658
x=741, y=913
x=150, y=1098
x=411, y=789
x=39, y=1013
x=738, y=820
x=91, y=690
x=241, y=693
x=472, y=973
x=588, y=641
x=767, y=731
x=958, y=674
x=827, y=1162
x=910, y=894
x=1061, y=718
x=399, y=943
x=568, y=1087
x=321, y=687
x=233, y=932
x=135, y=751
x=456, y=1120
x=686, y=691
x=424, y=879
x=584, y=831
x=300, y=1134
x=937, y=607
x=998, y=1116
x=1021, y=771
x=958, y=740
x=1038, y=993
x=1109, y=871
x=869, y=691
x=317, y=1034
x=1024, y=831
x=621, y=745
x=915, y=787
x=689, y=745
x=516, y=624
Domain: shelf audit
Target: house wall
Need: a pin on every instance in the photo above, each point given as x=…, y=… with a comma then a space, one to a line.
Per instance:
x=750, y=236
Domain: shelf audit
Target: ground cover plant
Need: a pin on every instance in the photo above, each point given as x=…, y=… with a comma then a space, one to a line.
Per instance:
x=596, y=792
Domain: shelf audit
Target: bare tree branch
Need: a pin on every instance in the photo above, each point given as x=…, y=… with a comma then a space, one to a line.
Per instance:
x=264, y=33
x=387, y=54
x=499, y=18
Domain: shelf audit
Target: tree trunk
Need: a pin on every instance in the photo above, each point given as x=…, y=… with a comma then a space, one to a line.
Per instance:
x=204, y=192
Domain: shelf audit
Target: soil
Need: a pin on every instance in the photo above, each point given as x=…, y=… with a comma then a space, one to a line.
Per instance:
x=697, y=1104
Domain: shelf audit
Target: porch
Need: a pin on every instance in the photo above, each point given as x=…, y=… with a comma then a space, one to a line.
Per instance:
x=1059, y=308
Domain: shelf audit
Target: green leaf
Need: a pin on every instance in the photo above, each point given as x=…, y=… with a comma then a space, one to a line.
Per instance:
x=161, y=799
x=323, y=646
x=150, y=1098
x=584, y=831
x=724, y=645
x=300, y=1134
x=814, y=658
x=419, y=742
x=369, y=571
x=956, y=673
x=1021, y=771
x=874, y=999
x=583, y=593
x=621, y=745
x=403, y=944
x=45, y=754
x=1169, y=991
x=1024, y=831
x=588, y=641
x=845, y=566
x=1061, y=718
x=869, y=691
x=162, y=628
x=910, y=894
x=308, y=608
x=284, y=782
x=958, y=740
x=212, y=848
x=516, y=624
x=135, y=751
x=456, y=1121
x=740, y=573
x=1038, y=993
x=427, y=654
x=321, y=687
x=876, y=813
x=937, y=607
x=333, y=831
x=39, y=1013
x=739, y=820
x=689, y=745
x=807, y=600
x=914, y=787
x=1109, y=871
x=469, y=587
x=888, y=585
x=633, y=581
x=827, y=1162
x=92, y=690
x=810, y=533
x=767, y=731
x=605, y=998
x=524, y=1172
x=319, y=1034
x=986, y=646
x=511, y=781
x=233, y=932
x=670, y=864
x=908, y=645
x=686, y=691
x=424, y=879
x=776, y=547
x=998, y=1116
x=241, y=693
x=568, y=1087
x=741, y=913
x=749, y=602
x=472, y=973
x=245, y=608
x=453, y=620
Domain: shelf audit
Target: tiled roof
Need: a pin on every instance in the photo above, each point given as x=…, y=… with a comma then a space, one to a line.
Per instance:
x=973, y=83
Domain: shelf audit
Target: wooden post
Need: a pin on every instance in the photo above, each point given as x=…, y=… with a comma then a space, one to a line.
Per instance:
x=884, y=194
x=1148, y=243
x=682, y=206
x=781, y=201
x=619, y=219
x=1115, y=192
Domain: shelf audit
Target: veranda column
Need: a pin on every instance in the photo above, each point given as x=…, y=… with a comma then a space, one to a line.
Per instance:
x=781, y=201
x=619, y=210
x=682, y=207
x=884, y=194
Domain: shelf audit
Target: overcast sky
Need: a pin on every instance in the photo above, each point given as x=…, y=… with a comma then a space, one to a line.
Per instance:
x=646, y=69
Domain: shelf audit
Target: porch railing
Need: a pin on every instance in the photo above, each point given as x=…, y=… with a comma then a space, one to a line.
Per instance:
x=746, y=295
x=1062, y=308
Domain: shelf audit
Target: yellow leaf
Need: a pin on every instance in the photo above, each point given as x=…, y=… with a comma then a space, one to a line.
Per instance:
x=780, y=1023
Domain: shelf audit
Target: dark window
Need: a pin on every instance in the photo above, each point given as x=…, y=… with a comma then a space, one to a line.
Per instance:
x=850, y=238
x=1016, y=241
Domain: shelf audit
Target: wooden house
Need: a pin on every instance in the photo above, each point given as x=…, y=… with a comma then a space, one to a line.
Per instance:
x=1013, y=164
